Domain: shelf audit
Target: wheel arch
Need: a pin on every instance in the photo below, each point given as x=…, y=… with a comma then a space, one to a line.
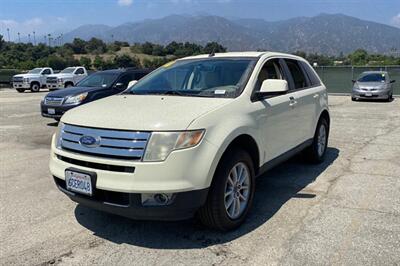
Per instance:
x=325, y=114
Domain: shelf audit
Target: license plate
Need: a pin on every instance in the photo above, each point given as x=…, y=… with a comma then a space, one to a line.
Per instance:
x=78, y=182
x=51, y=111
x=368, y=94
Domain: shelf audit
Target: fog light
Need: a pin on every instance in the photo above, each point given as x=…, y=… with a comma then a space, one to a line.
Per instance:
x=157, y=199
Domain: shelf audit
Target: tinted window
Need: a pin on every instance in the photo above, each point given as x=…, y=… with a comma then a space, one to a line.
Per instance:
x=46, y=72
x=125, y=79
x=139, y=75
x=375, y=77
x=298, y=77
x=98, y=80
x=271, y=70
x=79, y=71
x=312, y=76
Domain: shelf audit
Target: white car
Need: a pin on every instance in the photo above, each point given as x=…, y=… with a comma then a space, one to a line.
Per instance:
x=191, y=137
x=68, y=77
x=34, y=80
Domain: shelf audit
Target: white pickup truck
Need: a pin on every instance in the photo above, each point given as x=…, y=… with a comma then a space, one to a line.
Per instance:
x=33, y=80
x=68, y=77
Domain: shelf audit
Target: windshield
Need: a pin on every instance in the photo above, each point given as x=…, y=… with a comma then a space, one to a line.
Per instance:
x=216, y=77
x=376, y=77
x=98, y=80
x=35, y=71
x=68, y=70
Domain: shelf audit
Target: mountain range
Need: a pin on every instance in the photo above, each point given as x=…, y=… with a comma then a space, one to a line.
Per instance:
x=329, y=34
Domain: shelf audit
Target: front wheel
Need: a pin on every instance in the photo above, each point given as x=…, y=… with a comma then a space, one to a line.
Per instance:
x=316, y=152
x=231, y=193
x=20, y=90
x=35, y=87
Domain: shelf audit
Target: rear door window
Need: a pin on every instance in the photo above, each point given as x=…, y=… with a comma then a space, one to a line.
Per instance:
x=79, y=71
x=299, y=79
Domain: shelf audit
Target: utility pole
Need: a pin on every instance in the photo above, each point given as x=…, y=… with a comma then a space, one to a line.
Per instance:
x=8, y=33
x=49, y=38
x=45, y=41
x=34, y=38
x=19, y=38
x=29, y=37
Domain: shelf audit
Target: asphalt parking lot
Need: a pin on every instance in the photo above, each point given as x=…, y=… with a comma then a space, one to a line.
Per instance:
x=345, y=211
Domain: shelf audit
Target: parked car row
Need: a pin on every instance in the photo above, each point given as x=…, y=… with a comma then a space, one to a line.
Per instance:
x=44, y=77
x=189, y=138
x=93, y=87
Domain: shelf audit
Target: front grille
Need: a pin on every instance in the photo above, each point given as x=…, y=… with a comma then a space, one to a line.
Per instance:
x=17, y=79
x=53, y=101
x=51, y=80
x=127, y=145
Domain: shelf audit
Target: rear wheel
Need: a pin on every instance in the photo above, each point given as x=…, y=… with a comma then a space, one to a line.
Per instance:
x=231, y=193
x=353, y=99
x=316, y=152
x=20, y=90
x=35, y=87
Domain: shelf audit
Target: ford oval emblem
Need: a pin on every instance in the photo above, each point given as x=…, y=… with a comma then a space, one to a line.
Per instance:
x=89, y=141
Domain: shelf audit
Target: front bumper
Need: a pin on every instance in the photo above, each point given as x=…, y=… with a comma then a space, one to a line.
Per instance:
x=58, y=85
x=375, y=94
x=59, y=110
x=183, y=206
x=21, y=85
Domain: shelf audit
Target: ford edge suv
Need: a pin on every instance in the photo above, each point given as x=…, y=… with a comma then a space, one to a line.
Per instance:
x=191, y=137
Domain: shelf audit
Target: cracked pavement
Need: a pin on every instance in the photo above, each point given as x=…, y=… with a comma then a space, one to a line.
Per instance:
x=345, y=211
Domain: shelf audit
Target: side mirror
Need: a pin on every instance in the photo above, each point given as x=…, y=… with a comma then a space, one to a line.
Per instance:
x=353, y=80
x=119, y=85
x=132, y=83
x=272, y=87
x=393, y=81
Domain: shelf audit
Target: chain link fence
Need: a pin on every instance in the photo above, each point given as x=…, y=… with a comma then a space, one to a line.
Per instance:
x=338, y=79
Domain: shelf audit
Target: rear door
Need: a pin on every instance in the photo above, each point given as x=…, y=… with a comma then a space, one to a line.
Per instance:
x=307, y=91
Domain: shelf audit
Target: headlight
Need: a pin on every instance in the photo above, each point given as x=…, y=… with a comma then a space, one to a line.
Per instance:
x=76, y=99
x=26, y=79
x=161, y=144
x=58, y=135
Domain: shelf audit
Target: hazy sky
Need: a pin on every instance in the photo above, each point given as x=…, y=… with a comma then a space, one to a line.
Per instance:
x=48, y=16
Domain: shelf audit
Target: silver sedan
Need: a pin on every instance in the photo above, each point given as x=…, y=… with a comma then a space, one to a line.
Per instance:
x=373, y=85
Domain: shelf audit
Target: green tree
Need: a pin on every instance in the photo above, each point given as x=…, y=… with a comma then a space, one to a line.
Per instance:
x=86, y=62
x=1, y=41
x=78, y=46
x=95, y=45
x=126, y=61
x=98, y=63
x=214, y=47
x=359, y=57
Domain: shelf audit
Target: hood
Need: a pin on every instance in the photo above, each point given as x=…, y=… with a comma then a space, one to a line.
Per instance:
x=26, y=75
x=142, y=112
x=371, y=84
x=73, y=91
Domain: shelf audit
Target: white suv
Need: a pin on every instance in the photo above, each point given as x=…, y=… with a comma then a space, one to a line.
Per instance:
x=191, y=137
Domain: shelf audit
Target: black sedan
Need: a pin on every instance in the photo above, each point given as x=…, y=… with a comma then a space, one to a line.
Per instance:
x=96, y=86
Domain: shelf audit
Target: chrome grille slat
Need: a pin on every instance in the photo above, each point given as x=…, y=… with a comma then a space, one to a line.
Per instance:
x=53, y=101
x=102, y=150
x=128, y=145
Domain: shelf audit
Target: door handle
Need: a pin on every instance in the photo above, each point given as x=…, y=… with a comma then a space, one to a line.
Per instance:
x=292, y=101
x=316, y=96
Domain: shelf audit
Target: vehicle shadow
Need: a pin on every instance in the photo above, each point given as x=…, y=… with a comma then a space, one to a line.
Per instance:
x=274, y=189
x=52, y=124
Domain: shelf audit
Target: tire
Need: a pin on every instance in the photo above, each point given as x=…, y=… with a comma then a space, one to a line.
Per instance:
x=35, y=87
x=214, y=214
x=316, y=152
x=20, y=90
x=354, y=99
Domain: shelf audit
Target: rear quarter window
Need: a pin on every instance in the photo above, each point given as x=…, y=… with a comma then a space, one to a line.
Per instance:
x=312, y=76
